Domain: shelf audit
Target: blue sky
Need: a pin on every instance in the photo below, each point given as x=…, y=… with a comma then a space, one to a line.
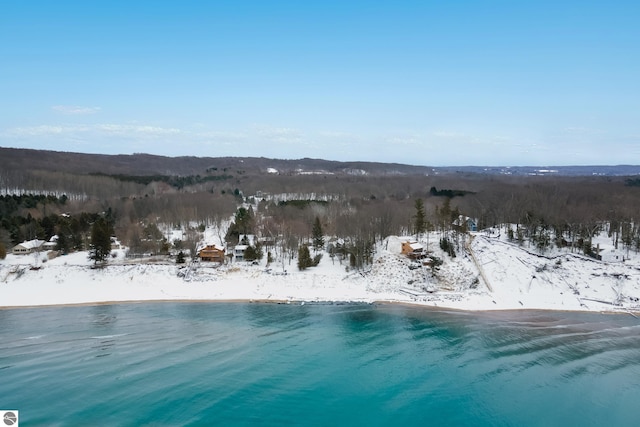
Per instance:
x=419, y=82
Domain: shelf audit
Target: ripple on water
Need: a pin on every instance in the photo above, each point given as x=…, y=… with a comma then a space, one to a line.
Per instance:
x=180, y=363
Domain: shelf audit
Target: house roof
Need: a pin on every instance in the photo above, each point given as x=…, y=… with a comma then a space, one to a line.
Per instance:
x=463, y=218
x=31, y=244
x=210, y=246
x=251, y=238
x=413, y=245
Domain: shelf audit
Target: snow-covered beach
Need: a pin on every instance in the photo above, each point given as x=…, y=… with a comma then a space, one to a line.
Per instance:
x=490, y=274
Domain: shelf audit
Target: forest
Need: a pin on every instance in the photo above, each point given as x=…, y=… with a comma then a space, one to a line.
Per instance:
x=358, y=209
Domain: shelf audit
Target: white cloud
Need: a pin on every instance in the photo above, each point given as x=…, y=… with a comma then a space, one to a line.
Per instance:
x=74, y=109
x=137, y=130
x=44, y=130
x=447, y=134
x=340, y=135
x=133, y=131
x=280, y=134
x=403, y=140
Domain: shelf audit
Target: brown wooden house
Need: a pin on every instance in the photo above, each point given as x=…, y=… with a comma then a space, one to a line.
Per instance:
x=413, y=250
x=211, y=253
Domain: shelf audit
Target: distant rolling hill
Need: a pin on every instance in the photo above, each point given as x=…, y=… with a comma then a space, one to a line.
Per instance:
x=148, y=164
x=16, y=159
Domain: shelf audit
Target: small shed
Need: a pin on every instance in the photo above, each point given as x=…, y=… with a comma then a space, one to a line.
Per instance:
x=115, y=243
x=612, y=255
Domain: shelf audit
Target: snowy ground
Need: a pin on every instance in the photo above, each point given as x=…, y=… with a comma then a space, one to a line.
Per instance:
x=492, y=274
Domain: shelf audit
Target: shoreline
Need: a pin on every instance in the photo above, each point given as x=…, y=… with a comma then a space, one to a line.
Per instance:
x=410, y=304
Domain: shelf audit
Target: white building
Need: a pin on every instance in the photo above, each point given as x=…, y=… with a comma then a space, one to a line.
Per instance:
x=51, y=244
x=238, y=252
x=611, y=255
x=28, y=247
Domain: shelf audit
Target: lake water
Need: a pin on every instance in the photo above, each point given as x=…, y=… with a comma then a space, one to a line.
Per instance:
x=245, y=364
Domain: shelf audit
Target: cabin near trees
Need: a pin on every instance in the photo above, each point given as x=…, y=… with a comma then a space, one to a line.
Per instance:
x=28, y=247
x=464, y=223
x=212, y=253
x=413, y=249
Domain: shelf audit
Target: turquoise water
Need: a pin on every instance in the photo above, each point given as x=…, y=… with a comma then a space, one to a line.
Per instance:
x=246, y=364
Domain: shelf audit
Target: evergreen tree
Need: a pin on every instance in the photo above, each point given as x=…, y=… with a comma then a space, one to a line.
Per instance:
x=244, y=220
x=100, y=247
x=62, y=244
x=259, y=251
x=316, y=260
x=447, y=247
x=420, y=222
x=250, y=254
x=48, y=224
x=304, y=258
x=317, y=235
x=444, y=216
x=180, y=258
x=242, y=224
x=3, y=251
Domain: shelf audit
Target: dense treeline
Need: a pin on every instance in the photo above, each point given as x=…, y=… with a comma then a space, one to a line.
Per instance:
x=301, y=204
x=72, y=231
x=11, y=204
x=178, y=182
x=448, y=193
x=16, y=220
